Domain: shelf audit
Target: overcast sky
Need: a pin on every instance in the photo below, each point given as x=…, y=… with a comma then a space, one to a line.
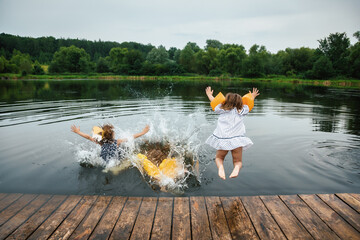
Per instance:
x=276, y=24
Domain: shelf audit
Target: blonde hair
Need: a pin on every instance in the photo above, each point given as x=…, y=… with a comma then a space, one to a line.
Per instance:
x=232, y=100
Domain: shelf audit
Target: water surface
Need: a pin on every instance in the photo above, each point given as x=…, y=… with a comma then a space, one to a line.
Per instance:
x=306, y=139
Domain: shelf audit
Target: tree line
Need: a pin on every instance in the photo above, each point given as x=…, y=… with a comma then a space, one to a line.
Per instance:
x=335, y=57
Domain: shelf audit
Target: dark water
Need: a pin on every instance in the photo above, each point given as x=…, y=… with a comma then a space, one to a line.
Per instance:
x=306, y=139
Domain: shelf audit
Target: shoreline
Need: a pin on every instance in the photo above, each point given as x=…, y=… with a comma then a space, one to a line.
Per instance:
x=339, y=83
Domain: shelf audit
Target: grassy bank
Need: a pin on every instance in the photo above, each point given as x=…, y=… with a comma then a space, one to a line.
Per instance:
x=342, y=83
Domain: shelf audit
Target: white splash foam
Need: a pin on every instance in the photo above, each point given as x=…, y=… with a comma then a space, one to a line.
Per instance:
x=181, y=134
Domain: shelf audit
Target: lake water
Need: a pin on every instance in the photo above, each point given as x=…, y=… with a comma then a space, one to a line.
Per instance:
x=306, y=138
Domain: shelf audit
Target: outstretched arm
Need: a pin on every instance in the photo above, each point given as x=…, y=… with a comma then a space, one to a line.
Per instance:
x=136, y=135
x=254, y=93
x=209, y=93
x=84, y=135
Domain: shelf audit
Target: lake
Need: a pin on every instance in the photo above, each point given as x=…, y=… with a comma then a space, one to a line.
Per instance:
x=306, y=138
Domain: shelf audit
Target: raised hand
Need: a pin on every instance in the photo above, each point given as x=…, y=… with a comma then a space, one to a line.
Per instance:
x=209, y=93
x=75, y=129
x=254, y=93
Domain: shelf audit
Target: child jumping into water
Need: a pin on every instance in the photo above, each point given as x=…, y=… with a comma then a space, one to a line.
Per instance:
x=230, y=130
x=109, y=145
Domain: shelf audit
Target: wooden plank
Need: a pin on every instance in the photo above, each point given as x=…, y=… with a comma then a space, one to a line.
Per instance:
x=218, y=224
x=264, y=224
x=349, y=214
x=15, y=207
x=126, y=221
x=67, y=227
x=317, y=228
x=3, y=195
x=35, y=220
x=199, y=219
x=24, y=214
x=350, y=200
x=9, y=199
x=181, y=219
x=356, y=196
x=162, y=221
x=49, y=226
x=288, y=223
x=108, y=221
x=239, y=222
x=86, y=227
x=330, y=217
x=145, y=218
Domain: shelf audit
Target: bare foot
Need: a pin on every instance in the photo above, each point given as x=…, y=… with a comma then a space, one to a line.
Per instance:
x=236, y=171
x=222, y=172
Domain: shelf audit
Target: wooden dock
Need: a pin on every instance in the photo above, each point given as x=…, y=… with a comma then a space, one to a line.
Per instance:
x=320, y=216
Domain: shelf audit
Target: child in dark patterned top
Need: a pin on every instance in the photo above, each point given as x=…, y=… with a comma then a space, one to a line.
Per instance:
x=109, y=145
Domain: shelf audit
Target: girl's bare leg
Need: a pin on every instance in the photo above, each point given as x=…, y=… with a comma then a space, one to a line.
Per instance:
x=219, y=160
x=237, y=161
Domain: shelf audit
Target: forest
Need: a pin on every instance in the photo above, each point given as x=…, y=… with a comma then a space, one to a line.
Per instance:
x=334, y=58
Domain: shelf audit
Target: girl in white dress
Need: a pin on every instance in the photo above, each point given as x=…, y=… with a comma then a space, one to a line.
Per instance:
x=229, y=134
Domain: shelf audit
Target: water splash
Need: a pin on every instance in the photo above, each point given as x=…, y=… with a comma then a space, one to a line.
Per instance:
x=168, y=137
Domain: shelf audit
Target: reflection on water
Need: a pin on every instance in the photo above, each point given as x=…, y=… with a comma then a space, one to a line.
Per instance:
x=306, y=138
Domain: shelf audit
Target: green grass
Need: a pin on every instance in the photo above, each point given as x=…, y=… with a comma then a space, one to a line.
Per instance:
x=341, y=83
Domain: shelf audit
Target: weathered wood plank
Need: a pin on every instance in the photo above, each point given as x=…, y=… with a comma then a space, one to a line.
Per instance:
x=181, y=219
x=317, y=228
x=218, y=224
x=199, y=219
x=162, y=221
x=126, y=221
x=3, y=195
x=349, y=214
x=356, y=196
x=24, y=214
x=264, y=224
x=350, y=200
x=330, y=217
x=9, y=199
x=67, y=227
x=15, y=207
x=49, y=226
x=288, y=223
x=145, y=219
x=108, y=221
x=89, y=223
x=239, y=222
x=35, y=220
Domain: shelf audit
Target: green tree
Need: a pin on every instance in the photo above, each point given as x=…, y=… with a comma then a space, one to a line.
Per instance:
x=323, y=68
x=354, y=60
x=202, y=63
x=72, y=60
x=187, y=58
x=210, y=43
x=118, y=60
x=172, y=52
x=158, y=55
x=336, y=48
x=37, y=69
x=3, y=63
x=102, y=65
x=297, y=61
x=256, y=64
x=357, y=35
x=134, y=59
x=22, y=62
x=206, y=61
x=231, y=59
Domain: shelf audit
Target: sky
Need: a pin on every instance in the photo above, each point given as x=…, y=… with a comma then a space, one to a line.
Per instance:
x=276, y=24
